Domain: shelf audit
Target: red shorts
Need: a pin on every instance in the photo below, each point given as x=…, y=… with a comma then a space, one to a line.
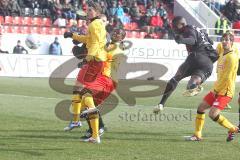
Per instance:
x=217, y=101
x=101, y=86
x=89, y=72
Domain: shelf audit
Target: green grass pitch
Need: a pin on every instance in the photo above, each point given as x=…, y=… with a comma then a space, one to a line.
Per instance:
x=29, y=129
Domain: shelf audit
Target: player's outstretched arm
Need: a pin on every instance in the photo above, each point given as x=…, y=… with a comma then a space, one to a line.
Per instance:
x=75, y=36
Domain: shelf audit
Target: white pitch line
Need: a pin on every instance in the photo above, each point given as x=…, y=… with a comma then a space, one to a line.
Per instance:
x=24, y=96
x=123, y=104
x=175, y=108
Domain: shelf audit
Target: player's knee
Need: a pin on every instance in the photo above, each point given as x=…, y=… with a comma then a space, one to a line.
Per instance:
x=194, y=82
x=213, y=115
x=93, y=116
x=76, y=98
x=204, y=75
x=200, y=110
x=202, y=107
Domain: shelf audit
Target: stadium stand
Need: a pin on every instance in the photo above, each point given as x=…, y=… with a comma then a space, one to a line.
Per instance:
x=137, y=18
x=38, y=16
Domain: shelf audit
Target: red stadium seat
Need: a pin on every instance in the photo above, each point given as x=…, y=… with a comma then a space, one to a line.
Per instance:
x=1, y=20
x=62, y=30
x=8, y=20
x=17, y=29
x=55, y=31
x=27, y=21
x=17, y=20
x=1, y=30
x=46, y=22
x=37, y=21
x=135, y=34
x=8, y=29
x=128, y=34
x=142, y=35
x=36, y=30
x=45, y=30
x=26, y=30
x=237, y=39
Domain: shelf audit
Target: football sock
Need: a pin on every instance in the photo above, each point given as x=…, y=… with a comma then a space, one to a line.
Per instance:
x=93, y=118
x=171, y=86
x=101, y=124
x=94, y=122
x=76, y=107
x=199, y=122
x=225, y=123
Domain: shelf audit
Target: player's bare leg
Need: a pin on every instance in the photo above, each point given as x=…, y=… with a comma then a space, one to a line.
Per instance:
x=215, y=115
x=199, y=122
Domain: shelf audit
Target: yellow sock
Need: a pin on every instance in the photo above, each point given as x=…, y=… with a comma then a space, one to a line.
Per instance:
x=76, y=107
x=225, y=123
x=199, y=122
x=94, y=118
x=94, y=122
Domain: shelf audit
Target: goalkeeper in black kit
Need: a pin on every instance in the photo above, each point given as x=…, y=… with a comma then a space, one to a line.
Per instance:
x=198, y=64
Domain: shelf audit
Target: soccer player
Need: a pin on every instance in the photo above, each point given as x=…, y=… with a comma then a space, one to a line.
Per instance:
x=80, y=53
x=95, y=41
x=104, y=83
x=223, y=90
x=198, y=64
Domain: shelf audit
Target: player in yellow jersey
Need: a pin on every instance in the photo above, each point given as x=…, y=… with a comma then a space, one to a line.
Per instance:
x=80, y=53
x=105, y=81
x=223, y=90
x=95, y=41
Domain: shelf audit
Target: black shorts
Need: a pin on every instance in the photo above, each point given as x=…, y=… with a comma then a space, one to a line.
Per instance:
x=196, y=64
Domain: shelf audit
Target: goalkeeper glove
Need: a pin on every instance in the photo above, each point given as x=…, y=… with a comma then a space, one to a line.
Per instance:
x=67, y=35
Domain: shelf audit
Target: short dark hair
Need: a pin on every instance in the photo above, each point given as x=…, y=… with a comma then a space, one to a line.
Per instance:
x=228, y=34
x=177, y=20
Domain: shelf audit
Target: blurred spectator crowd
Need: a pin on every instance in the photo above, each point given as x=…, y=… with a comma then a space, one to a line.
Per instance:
x=140, y=18
x=228, y=10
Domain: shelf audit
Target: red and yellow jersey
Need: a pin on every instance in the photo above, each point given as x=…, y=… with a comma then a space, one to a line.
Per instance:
x=227, y=67
x=114, y=57
x=95, y=40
